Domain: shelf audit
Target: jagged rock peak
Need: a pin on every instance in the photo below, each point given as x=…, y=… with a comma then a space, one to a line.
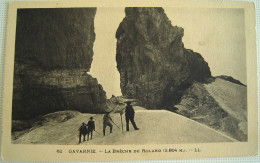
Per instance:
x=143, y=23
x=153, y=64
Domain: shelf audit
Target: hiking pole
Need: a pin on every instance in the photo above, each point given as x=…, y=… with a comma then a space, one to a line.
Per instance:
x=97, y=132
x=121, y=113
x=116, y=125
x=122, y=123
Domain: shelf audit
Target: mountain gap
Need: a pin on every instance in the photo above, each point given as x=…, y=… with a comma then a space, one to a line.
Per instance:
x=53, y=87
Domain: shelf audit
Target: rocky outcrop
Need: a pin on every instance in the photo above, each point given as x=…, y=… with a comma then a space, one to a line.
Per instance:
x=153, y=64
x=221, y=105
x=230, y=79
x=53, y=53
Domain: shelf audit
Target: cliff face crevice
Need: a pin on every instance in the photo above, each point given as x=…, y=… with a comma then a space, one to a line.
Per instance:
x=53, y=52
x=153, y=64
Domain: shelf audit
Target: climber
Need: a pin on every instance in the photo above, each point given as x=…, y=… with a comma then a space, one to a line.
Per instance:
x=107, y=122
x=91, y=127
x=129, y=115
x=83, y=130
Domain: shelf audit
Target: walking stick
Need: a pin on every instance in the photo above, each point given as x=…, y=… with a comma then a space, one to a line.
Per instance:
x=116, y=125
x=122, y=123
x=97, y=132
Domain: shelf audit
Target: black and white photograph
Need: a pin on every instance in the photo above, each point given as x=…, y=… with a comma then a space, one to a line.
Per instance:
x=128, y=75
x=133, y=75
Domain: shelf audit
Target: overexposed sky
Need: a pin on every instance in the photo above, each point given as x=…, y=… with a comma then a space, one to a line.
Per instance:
x=103, y=66
x=217, y=34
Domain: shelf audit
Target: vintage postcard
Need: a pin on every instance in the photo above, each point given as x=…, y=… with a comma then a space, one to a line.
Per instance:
x=129, y=80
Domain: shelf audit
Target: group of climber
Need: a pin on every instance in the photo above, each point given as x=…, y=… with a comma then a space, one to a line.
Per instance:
x=87, y=129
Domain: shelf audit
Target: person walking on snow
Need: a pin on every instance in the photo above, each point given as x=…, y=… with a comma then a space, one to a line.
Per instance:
x=130, y=115
x=83, y=130
x=91, y=127
x=107, y=122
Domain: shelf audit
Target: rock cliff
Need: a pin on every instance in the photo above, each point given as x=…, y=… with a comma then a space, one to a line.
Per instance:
x=55, y=38
x=153, y=64
x=53, y=53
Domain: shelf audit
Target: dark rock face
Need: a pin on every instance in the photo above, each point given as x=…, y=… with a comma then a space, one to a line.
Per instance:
x=55, y=38
x=153, y=64
x=52, y=54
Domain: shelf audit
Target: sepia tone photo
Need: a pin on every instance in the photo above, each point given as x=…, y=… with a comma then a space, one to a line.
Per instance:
x=122, y=75
x=151, y=77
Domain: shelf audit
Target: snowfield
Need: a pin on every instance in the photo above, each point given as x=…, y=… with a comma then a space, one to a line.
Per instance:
x=156, y=127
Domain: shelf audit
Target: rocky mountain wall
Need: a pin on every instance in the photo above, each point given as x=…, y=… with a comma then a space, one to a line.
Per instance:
x=55, y=38
x=154, y=66
x=53, y=52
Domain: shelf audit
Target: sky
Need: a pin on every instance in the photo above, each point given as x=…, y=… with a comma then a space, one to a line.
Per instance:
x=103, y=66
x=217, y=34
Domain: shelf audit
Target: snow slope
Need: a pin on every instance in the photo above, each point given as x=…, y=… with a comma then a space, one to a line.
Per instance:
x=220, y=104
x=232, y=98
x=156, y=127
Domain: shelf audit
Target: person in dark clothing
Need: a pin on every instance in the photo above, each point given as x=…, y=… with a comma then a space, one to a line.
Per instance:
x=83, y=130
x=91, y=127
x=129, y=115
